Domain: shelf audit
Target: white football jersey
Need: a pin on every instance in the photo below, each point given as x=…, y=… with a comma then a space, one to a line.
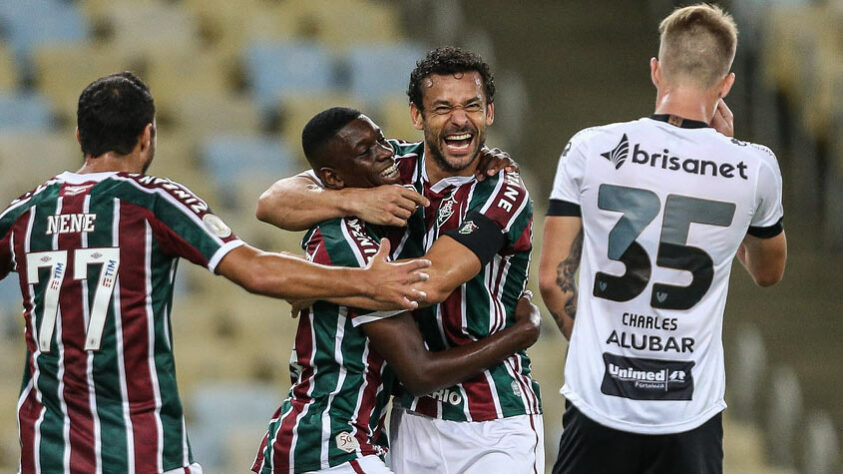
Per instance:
x=664, y=209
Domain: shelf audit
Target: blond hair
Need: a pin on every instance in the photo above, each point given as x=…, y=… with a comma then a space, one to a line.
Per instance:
x=697, y=44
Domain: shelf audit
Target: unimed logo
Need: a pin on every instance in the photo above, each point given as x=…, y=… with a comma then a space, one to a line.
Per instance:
x=666, y=160
x=647, y=379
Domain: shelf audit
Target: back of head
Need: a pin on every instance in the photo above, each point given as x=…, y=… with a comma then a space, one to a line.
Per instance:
x=698, y=45
x=321, y=129
x=112, y=113
x=449, y=60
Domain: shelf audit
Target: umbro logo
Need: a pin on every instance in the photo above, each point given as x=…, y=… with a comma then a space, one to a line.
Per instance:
x=618, y=154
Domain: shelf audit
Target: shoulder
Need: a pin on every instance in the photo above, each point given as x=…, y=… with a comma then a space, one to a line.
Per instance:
x=159, y=189
x=26, y=200
x=347, y=242
x=406, y=149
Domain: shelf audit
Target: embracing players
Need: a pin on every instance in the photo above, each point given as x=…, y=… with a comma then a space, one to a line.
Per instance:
x=96, y=254
x=477, y=235
x=653, y=212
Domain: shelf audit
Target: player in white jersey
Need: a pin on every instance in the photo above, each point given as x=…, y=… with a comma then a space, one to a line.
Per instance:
x=653, y=212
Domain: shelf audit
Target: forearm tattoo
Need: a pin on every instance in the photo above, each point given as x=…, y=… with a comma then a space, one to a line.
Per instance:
x=566, y=277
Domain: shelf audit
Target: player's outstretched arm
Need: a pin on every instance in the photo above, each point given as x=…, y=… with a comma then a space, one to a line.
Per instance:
x=560, y=260
x=299, y=202
x=399, y=341
x=764, y=259
x=381, y=285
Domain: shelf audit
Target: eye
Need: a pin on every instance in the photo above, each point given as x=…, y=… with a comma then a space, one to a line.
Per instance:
x=474, y=107
x=441, y=110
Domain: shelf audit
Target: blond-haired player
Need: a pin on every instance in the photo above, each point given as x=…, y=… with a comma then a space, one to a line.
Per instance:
x=652, y=212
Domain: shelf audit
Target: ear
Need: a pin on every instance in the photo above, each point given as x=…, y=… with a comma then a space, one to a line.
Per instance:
x=490, y=114
x=78, y=137
x=655, y=72
x=726, y=84
x=330, y=178
x=146, y=137
x=416, y=117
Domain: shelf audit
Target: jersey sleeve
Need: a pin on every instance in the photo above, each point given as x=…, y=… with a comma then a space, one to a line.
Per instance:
x=346, y=242
x=500, y=221
x=567, y=184
x=186, y=227
x=767, y=219
x=6, y=255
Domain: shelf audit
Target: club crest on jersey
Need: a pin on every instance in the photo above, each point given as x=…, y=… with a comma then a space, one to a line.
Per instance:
x=347, y=443
x=468, y=227
x=446, y=210
x=216, y=226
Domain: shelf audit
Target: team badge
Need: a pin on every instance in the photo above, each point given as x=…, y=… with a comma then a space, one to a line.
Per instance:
x=446, y=210
x=216, y=226
x=516, y=389
x=347, y=443
x=468, y=227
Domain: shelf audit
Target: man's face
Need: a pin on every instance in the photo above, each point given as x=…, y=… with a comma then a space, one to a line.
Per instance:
x=454, y=119
x=361, y=157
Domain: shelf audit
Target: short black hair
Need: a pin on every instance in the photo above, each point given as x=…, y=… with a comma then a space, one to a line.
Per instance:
x=322, y=128
x=112, y=113
x=449, y=60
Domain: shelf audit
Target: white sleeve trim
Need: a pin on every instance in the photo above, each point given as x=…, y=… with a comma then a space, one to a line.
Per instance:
x=375, y=316
x=222, y=252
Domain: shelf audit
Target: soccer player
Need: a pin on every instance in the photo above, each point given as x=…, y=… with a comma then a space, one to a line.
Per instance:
x=652, y=212
x=334, y=414
x=96, y=253
x=477, y=235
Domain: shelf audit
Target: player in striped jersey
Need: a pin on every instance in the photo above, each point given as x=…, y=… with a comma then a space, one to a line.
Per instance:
x=656, y=210
x=334, y=414
x=96, y=254
x=478, y=236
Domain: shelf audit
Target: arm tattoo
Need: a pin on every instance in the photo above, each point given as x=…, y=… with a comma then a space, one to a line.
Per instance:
x=566, y=277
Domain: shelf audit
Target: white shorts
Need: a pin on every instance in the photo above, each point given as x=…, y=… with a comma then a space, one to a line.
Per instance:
x=192, y=469
x=420, y=444
x=366, y=465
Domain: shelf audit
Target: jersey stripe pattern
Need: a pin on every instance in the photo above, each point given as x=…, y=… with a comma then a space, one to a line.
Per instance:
x=335, y=409
x=96, y=258
x=483, y=305
x=664, y=210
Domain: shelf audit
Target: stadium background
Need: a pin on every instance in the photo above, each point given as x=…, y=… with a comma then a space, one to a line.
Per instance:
x=235, y=81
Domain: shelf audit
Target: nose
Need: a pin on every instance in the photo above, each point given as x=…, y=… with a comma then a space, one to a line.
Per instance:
x=385, y=152
x=458, y=117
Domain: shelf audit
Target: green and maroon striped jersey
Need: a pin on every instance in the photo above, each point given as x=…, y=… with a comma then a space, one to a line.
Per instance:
x=335, y=408
x=96, y=258
x=483, y=305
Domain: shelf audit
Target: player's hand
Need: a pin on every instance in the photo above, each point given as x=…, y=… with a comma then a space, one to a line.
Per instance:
x=297, y=306
x=528, y=317
x=723, y=121
x=492, y=161
x=390, y=204
x=393, y=284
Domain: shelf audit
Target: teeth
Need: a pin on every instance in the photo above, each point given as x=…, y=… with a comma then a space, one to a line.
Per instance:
x=390, y=170
x=464, y=136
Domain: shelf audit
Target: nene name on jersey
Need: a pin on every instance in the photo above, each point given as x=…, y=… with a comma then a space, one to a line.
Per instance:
x=664, y=210
x=96, y=258
x=486, y=303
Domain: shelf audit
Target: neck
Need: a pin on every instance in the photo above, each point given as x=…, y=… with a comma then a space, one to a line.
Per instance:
x=686, y=102
x=111, y=161
x=436, y=173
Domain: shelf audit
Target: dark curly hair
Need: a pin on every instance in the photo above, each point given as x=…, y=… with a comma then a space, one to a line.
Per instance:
x=112, y=113
x=449, y=60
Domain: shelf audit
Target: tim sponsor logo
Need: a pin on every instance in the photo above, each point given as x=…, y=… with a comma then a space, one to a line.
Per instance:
x=647, y=379
x=666, y=160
